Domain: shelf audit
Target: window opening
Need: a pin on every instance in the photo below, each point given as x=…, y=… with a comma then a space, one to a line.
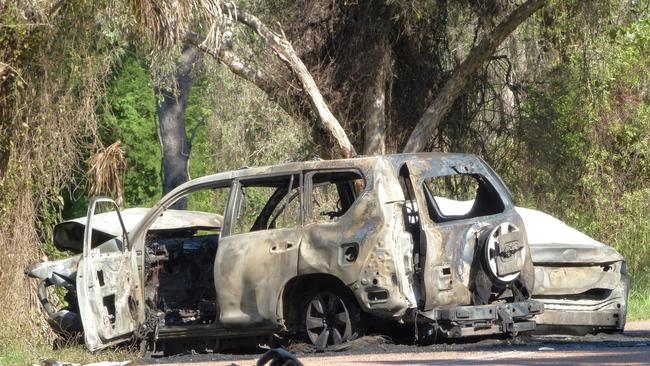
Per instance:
x=271, y=203
x=333, y=193
x=460, y=196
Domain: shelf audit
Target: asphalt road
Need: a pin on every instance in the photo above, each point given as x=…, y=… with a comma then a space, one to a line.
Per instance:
x=630, y=348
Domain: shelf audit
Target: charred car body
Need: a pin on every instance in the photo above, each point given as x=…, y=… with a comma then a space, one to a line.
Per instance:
x=583, y=283
x=310, y=249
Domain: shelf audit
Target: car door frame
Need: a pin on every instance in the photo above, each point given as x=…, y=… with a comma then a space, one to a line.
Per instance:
x=442, y=266
x=107, y=287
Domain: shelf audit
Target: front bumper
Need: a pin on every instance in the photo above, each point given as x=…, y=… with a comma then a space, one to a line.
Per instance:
x=64, y=322
x=465, y=321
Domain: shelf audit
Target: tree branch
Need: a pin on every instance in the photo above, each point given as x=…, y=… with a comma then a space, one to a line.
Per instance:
x=234, y=63
x=171, y=23
x=249, y=73
x=288, y=55
x=450, y=91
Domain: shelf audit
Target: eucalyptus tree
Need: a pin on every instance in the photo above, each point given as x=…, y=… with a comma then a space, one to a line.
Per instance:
x=294, y=87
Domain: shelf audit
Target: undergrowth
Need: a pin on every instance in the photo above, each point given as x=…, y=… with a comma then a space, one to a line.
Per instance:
x=18, y=353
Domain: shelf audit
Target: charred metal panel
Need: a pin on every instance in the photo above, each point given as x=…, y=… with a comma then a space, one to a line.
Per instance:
x=250, y=271
x=104, y=288
x=565, y=280
x=568, y=254
x=381, y=275
x=591, y=311
x=107, y=287
x=451, y=247
x=65, y=269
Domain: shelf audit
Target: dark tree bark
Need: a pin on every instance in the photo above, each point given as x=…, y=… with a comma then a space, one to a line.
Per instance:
x=453, y=87
x=5, y=127
x=171, y=121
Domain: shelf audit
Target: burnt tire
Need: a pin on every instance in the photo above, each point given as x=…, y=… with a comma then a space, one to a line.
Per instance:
x=329, y=319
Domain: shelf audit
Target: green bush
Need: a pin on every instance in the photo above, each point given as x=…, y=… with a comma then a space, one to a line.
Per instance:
x=587, y=143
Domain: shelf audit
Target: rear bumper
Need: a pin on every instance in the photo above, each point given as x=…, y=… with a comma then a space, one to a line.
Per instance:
x=580, y=322
x=465, y=321
x=581, y=314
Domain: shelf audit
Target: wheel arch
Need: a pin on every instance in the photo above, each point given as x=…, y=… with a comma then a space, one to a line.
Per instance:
x=295, y=289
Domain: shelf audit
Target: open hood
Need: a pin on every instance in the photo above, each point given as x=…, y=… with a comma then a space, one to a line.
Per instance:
x=69, y=235
x=552, y=241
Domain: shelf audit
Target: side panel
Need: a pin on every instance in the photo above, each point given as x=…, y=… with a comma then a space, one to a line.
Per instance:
x=104, y=305
x=438, y=286
x=250, y=271
x=447, y=250
x=382, y=272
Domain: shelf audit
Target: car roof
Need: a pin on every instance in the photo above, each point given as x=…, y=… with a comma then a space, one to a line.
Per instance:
x=394, y=159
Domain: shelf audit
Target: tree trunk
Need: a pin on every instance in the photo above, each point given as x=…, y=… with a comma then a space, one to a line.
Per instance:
x=6, y=126
x=171, y=120
x=374, y=132
x=453, y=87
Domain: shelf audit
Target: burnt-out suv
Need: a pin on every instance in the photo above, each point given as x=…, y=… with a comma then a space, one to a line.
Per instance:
x=312, y=249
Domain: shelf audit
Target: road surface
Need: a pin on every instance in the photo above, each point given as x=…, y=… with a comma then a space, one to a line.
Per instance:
x=630, y=348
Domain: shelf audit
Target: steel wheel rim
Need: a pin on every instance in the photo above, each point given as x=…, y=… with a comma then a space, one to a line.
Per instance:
x=327, y=320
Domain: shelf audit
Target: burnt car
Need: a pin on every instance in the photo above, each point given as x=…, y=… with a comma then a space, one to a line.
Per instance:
x=313, y=249
x=583, y=283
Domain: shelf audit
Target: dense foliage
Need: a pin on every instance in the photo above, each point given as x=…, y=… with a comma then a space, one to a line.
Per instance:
x=54, y=60
x=586, y=134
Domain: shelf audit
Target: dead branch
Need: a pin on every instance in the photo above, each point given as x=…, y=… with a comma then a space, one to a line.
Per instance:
x=287, y=54
x=236, y=65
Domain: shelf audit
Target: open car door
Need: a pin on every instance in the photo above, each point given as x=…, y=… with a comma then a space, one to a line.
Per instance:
x=107, y=284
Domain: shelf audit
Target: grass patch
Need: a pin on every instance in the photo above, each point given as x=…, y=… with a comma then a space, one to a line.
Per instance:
x=17, y=353
x=638, y=305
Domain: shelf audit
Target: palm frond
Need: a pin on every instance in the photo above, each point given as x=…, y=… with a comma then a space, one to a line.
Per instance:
x=105, y=170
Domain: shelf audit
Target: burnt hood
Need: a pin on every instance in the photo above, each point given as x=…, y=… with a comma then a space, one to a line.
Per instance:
x=69, y=235
x=551, y=241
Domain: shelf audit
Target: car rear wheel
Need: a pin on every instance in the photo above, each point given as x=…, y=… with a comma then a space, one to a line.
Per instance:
x=330, y=319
